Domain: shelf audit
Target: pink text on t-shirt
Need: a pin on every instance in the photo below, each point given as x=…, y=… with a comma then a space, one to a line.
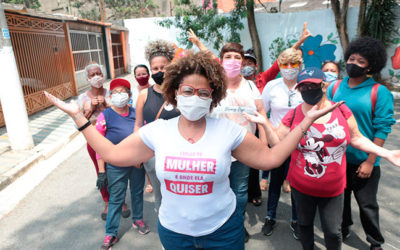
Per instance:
x=190, y=165
x=189, y=188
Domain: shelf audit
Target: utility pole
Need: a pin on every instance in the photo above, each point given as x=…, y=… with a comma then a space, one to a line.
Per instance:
x=12, y=98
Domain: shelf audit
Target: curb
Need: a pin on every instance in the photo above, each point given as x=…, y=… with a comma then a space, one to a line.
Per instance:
x=11, y=175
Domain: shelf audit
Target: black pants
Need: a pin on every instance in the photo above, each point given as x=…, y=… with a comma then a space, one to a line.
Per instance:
x=330, y=210
x=365, y=191
x=254, y=191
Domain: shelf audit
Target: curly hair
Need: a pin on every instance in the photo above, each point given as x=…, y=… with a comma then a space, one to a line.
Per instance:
x=201, y=63
x=159, y=48
x=371, y=49
x=290, y=55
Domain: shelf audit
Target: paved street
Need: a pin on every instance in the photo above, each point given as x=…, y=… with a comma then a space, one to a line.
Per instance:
x=63, y=212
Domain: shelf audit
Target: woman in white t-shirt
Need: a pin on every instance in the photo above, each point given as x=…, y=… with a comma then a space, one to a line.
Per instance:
x=193, y=156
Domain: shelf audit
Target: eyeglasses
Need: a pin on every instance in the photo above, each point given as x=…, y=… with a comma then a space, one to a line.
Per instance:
x=203, y=93
x=286, y=65
x=308, y=86
x=292, y=93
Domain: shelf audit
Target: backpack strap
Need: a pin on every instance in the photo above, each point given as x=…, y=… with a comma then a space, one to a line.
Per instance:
x=374, y=97
x=335, y=87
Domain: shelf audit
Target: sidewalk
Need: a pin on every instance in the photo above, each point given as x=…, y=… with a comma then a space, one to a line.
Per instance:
x=51, y=130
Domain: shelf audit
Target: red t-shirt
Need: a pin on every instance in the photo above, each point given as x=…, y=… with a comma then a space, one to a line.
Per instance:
x=318, y=164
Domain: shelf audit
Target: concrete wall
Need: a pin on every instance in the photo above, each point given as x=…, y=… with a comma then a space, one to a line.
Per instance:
x=270, y=26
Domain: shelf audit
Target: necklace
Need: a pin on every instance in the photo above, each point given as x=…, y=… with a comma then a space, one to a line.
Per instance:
x=190, y=139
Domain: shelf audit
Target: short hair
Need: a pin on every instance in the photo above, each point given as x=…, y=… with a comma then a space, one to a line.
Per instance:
x=371, y=49
x=92, y=65
x=290, y=55
x=160, y=48
x=201, y=63
x=140, y=66
x=334, y=62
x=232, y=47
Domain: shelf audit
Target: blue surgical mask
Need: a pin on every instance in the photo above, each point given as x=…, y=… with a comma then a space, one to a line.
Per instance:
x=330, y=76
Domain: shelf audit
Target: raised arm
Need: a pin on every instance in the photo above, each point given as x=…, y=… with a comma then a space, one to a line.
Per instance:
x=131, y=151
x=304, y=35
x=196, y=41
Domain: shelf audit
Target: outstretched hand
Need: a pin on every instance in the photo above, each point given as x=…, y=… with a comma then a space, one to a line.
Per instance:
x=394, y=157
x=257, y=118
x=193, y=37
x=71, y=108
x=314, y=113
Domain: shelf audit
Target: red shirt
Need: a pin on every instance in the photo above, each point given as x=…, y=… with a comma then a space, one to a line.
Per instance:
x=264, y=77
x=318, y=164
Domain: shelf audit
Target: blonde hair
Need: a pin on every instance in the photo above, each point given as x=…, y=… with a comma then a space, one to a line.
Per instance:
x=290, y=55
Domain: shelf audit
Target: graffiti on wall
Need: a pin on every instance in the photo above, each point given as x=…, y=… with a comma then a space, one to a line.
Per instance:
x=315, y=52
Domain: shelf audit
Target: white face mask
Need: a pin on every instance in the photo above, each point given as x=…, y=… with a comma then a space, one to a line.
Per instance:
x=193, y=107
x=290, y=74
x=120, y=99
x=96, y=81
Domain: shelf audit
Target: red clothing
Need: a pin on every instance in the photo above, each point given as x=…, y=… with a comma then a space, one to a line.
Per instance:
x=264, y=77
x=318, y=164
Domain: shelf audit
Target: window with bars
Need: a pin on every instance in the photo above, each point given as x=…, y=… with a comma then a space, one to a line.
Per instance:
x=86, y=47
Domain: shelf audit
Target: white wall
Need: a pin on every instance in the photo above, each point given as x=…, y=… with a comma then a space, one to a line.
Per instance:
x=270, y=26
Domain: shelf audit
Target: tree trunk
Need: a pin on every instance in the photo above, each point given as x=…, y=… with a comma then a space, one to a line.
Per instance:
x=361, y=17
x=255, y=40
x=341, y=21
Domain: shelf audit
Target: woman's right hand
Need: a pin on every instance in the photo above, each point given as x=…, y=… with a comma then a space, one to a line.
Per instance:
x=71, y=108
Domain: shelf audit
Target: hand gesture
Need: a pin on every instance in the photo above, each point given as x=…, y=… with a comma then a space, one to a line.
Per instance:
x=315, y=113
x=257, y=118
x=394, y=157
x=95, y=101
x=306, y=33
x=192, y=37
x=100, y=99
x=71, y=108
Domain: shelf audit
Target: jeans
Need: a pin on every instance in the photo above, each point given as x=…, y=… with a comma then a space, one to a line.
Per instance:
x=150, y=167
x=265, y=174
x=365, y=191
x=329, y=209
x=117, y=184
x=278, y=175
x=238, y=178
x=230, y=236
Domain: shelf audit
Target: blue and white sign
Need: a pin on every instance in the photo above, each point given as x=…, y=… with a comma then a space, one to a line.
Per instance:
x=6, y=33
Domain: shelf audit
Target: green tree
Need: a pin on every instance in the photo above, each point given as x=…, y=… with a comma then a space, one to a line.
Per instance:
x=30, y=4
x=213, y=27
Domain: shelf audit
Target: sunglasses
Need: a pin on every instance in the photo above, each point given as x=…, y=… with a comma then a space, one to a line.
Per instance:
x=286, y=65
x=202, y=93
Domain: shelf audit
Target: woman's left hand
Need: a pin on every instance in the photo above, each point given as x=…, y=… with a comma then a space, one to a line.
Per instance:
x=257, y=118
x=394, y=157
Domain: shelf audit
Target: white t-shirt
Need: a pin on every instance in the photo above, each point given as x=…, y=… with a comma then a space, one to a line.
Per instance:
x=238, y=101
x=197, y=198
x=276, y=97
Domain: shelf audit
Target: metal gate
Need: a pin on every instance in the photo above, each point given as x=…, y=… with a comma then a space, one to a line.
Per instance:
x=43, y=60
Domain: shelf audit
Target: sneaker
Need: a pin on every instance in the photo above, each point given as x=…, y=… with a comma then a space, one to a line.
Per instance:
x=345, y=233
x=268, y=227
x=246, y=235
x=296, y=230
x=109, y=241
x=141, y=227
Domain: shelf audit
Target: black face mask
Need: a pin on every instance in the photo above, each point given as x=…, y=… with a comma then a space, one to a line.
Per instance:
x=158, y=77
x=353, y=70
x=312, y=96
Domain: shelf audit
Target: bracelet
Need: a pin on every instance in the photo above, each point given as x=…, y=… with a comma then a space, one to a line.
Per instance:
x=303, y=131
x=87, y=124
